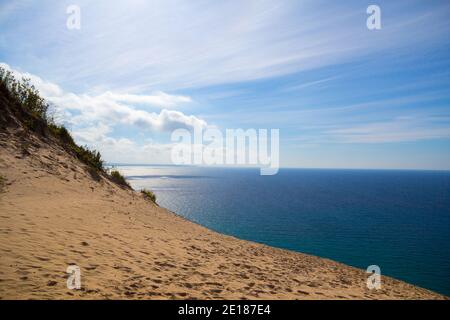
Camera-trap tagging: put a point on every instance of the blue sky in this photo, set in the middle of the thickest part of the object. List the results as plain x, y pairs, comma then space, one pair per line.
342, 96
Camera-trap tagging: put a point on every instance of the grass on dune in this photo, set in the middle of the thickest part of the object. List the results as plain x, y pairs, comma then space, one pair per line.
149, 195
118, 178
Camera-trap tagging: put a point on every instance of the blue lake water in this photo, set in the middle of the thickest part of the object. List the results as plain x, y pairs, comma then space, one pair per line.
398, 220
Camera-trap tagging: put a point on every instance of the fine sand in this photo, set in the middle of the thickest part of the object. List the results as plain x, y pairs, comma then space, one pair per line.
53, 214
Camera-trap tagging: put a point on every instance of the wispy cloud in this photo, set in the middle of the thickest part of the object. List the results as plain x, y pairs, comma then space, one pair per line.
171, 44
401, 129
159, 99
314, 83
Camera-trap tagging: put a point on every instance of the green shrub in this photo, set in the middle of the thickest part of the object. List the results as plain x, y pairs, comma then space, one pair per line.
149, 195
88, 156
118, 178
25, 94
61, 133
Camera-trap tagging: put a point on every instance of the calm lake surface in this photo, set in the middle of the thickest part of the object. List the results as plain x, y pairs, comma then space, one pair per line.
398, 220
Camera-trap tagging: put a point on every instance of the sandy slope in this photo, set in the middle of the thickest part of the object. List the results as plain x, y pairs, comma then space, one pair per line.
52, 214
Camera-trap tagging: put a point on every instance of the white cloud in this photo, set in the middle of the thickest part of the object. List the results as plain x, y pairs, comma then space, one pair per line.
123, 150
111, 108
92, 135
92, 119
47, 89
172, 44
157, 99
400, 129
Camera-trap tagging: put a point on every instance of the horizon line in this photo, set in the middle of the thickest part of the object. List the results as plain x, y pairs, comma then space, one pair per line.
280, 168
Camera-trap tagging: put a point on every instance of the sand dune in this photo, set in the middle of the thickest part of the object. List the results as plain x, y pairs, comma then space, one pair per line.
54, 214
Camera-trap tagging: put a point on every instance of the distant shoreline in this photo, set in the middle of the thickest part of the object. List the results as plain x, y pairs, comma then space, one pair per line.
281, 168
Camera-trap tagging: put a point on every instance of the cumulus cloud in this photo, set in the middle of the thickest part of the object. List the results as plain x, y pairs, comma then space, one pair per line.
93, 118
113, 108
123, 150
91, 135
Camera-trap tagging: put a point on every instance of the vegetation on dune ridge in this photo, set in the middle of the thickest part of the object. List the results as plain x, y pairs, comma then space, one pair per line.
25, 95
34, 113
118, 178
90, 157
149, 195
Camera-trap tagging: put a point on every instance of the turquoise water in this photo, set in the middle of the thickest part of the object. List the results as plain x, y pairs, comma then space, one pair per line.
398, 220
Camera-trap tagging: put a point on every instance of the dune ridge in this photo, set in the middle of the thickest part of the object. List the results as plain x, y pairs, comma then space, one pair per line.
55, 213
